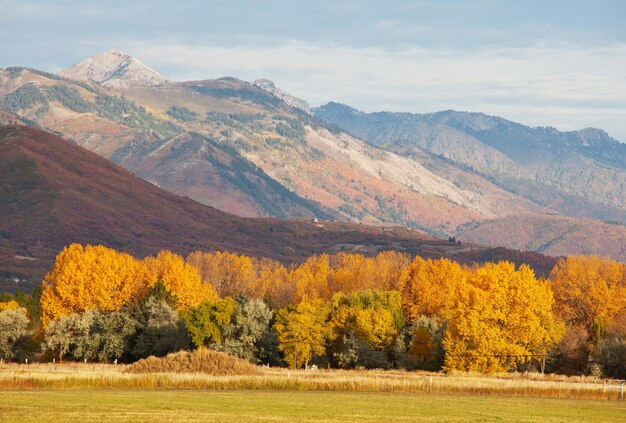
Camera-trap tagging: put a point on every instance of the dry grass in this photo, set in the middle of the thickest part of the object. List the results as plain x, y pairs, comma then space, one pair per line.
86, 376
202, 360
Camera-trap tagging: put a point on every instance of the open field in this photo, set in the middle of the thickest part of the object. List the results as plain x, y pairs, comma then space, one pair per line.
98, 376
91, 405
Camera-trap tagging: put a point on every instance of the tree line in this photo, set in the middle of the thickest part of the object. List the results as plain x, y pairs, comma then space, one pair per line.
341, 310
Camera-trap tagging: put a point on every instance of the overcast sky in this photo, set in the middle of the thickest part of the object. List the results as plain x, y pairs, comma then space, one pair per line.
545, 63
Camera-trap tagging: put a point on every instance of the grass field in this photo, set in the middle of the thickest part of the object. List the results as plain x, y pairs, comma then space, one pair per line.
95, 392
96, 405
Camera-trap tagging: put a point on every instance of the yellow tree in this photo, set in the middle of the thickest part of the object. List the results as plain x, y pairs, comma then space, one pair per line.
364, 326
310, 279
301, 332
92, 277
352, 272
501, 318
590, 292
389, 267
9, 305
229, 274
180, 279
276, 283
428, 286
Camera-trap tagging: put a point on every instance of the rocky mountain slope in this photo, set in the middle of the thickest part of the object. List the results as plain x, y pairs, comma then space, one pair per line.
581, 173
53, 193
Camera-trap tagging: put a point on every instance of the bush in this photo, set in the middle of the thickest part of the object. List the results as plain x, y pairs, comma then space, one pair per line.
202, 360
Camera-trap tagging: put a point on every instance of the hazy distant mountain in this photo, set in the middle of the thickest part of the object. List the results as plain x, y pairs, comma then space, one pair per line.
114, 68
580, 173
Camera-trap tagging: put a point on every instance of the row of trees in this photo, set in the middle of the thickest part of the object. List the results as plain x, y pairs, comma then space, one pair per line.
344, 310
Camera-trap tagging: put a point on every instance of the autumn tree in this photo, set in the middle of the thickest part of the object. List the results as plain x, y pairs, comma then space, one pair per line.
500, 319
180, 279
229, 274
363, 322
92, 277
311, 279
300, 332
428, 286
590, 292
278, 289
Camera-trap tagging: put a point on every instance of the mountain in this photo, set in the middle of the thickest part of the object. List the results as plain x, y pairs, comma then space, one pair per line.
114, 68
580, 173
53, 193
270, 87
212, 173
248, 149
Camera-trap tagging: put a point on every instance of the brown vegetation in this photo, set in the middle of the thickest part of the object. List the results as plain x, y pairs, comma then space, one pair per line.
202, 360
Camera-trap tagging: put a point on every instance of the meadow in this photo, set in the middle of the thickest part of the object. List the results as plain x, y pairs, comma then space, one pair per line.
97, 392
120, 405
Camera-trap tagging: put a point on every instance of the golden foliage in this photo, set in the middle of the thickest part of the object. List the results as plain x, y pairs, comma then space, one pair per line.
180, 279
428, 286
501, 318
301, 332
92, 277
9, 305
590, 292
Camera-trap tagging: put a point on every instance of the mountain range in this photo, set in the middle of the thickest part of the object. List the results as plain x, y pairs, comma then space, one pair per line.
54, 193
254, 150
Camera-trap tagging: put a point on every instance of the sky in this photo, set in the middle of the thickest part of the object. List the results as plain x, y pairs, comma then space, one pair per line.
540, 63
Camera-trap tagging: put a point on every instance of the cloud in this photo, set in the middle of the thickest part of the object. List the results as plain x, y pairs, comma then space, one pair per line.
561, 87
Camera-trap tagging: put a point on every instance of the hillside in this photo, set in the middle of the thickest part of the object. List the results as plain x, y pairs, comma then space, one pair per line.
552, 235
53, 193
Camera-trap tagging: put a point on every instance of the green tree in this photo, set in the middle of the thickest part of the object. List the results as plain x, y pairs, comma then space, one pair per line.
161, 330
13, 327
206, 322
108, 336
63, 335
249, 325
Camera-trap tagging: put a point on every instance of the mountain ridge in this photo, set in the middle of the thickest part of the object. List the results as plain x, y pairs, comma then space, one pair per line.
257, 155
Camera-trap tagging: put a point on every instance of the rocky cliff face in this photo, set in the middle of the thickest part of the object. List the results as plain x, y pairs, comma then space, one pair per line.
270, 87
116, 69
